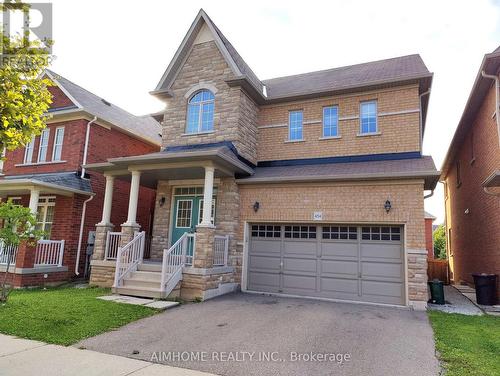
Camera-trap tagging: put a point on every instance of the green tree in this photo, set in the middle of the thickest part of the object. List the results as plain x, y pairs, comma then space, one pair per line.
24, 94
18, 225
439, 236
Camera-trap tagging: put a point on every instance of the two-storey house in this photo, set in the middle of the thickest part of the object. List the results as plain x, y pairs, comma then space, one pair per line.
47, 176
308, 185
471, 175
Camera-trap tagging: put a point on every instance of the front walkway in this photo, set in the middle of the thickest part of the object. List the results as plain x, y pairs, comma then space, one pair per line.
226, 331
25, 357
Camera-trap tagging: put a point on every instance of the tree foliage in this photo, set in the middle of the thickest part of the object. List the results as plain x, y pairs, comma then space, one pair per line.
24, 94
18, 225
439, 236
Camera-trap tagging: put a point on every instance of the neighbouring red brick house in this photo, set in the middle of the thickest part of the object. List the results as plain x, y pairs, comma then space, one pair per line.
471, 173
429, 241
47, 176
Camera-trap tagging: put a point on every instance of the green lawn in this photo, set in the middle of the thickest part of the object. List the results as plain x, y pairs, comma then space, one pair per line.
468, 345
65, 315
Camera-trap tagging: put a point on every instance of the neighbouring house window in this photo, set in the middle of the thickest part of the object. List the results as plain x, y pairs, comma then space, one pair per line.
459, 179
200, 113
28, 151
45, 215
330, 121
44, 145
295, 125
212, 216
368, 117
58, 144
15, 200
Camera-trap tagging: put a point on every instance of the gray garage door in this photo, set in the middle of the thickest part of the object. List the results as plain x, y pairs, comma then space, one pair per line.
361, 263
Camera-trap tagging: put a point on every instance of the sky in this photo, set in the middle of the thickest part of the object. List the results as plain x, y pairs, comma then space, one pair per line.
120, 49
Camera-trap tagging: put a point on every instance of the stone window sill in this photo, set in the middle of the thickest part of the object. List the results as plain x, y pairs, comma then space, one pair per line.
330, 138
38, 163
369, 134
197, 134
293, 141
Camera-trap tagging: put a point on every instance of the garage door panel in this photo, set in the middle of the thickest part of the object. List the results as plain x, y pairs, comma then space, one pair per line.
300, 264
341, 268
392, 291
382, 270
302, 248
266, 246
264, 262
301, 282
339, 249
262, 281
343, 285
380, 250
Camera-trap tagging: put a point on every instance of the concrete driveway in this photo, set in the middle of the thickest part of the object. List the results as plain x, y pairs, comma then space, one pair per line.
243, 334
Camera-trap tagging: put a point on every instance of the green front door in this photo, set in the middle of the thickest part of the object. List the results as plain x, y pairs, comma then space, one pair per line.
188, 211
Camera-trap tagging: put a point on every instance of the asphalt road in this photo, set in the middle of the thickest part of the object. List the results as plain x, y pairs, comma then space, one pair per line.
243, 334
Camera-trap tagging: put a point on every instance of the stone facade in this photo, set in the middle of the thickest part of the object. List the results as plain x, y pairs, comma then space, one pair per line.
235, 112
103, 273
161, 220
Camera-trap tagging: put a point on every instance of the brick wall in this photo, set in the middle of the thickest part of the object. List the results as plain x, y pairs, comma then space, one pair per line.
399, 132
474, 245
59, 99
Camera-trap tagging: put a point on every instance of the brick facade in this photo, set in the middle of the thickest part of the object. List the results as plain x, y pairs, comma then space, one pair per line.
472, 220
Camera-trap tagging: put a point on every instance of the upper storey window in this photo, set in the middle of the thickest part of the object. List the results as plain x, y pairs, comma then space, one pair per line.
295, 126
200, 113
330, 121
368, 117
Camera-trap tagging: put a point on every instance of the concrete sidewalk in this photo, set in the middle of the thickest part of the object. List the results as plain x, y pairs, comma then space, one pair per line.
25, 357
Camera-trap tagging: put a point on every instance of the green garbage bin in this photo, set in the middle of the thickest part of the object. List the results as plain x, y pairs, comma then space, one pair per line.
437, 292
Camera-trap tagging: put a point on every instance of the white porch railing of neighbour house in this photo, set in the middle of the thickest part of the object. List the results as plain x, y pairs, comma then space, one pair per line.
112, 243
49, 253
221, 249
129, 257
174, 260
5, 252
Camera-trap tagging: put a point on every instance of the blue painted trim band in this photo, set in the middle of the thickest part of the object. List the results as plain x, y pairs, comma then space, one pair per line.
343, 159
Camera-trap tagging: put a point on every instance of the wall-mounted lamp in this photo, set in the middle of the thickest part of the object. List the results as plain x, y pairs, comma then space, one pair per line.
161, 201
256, 206
387, 206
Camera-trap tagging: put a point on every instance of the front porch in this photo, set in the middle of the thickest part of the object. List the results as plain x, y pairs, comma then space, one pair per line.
193, 248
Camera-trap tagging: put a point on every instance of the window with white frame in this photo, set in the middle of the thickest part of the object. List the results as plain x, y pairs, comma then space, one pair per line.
330, 121
184, 213
58, 144
295, 126
200, 112
212, 216
45, 215
368, 117
28, 151
44, 145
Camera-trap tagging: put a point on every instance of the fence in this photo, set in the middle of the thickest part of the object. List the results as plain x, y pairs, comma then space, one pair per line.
438, 269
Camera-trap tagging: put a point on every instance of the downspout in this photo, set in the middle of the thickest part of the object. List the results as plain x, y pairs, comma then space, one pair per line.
86, 147
497, 96
421, 140
80, 237
429, 195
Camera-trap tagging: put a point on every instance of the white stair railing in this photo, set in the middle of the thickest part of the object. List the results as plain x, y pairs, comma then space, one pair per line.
174, 260
129, 257
221, 248
49, 253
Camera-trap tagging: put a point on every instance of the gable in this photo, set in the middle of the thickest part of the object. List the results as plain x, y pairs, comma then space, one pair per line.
59, 99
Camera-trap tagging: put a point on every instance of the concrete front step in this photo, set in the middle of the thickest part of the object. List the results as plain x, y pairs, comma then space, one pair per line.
149, 267
139, 291
146, 276
140, 283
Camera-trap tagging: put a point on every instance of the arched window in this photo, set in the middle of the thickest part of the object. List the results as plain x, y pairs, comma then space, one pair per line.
200, 112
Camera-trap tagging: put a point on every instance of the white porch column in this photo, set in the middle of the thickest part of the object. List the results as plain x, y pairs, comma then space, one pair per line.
108, 201
207, 197
34, 196
134, 198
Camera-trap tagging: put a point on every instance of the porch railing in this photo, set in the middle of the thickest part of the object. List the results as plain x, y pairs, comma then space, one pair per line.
112, 243
173, 261
129, 257
6, 252
190, 248
221, 249
49, 253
